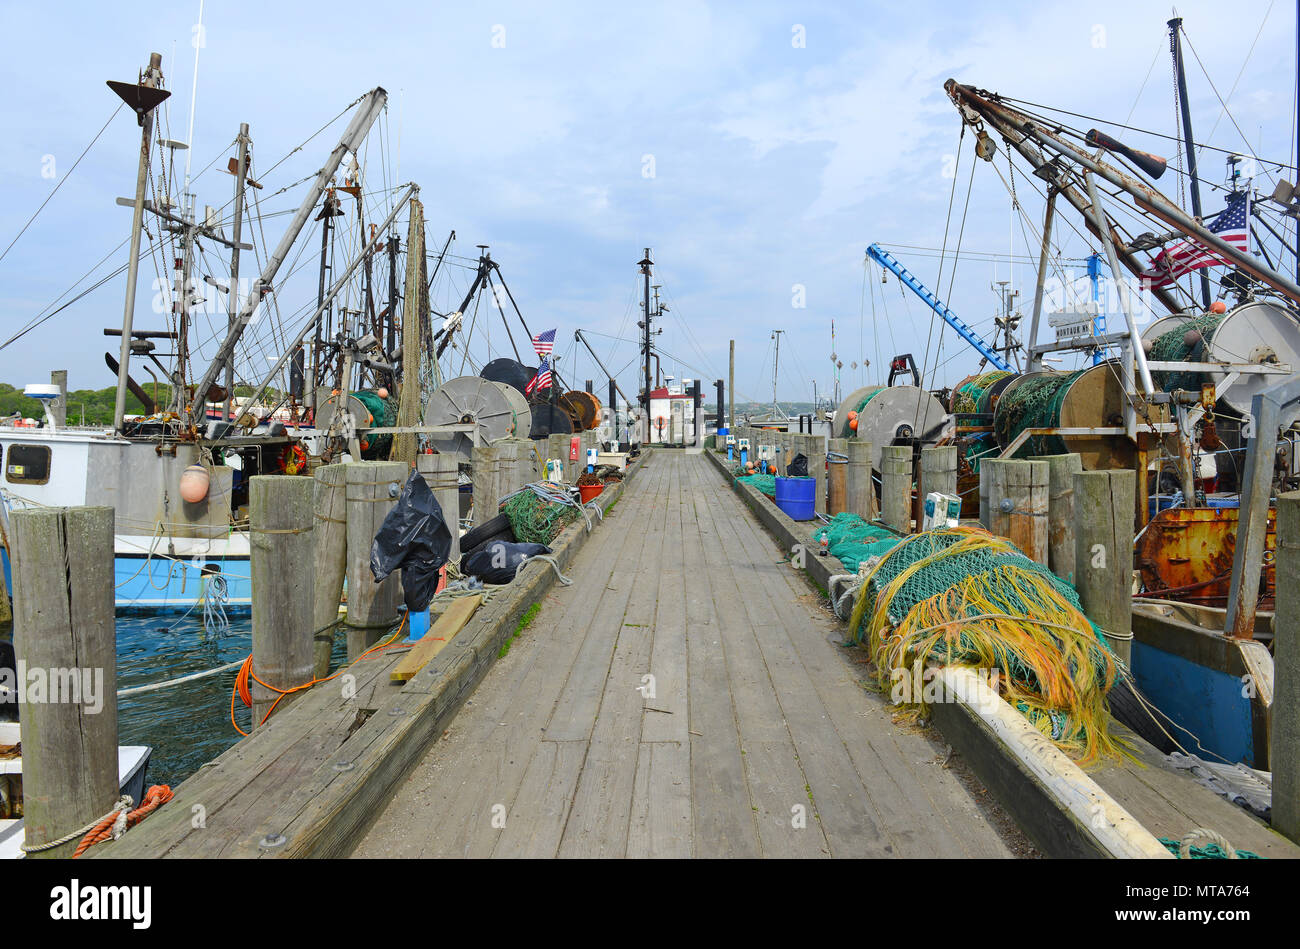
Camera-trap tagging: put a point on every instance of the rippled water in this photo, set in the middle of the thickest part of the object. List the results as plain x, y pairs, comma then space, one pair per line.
189, 724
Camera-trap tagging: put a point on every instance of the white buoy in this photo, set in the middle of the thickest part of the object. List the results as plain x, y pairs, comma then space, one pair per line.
194, 484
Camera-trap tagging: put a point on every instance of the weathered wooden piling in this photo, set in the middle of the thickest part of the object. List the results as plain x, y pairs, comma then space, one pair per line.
65, 642
442, 474
814, 446
1284, 737
1061, 470
836, 475
485, 471
938, 472
372, 490
1013, 499
281, 564
1103, 551
330, 558
861, 496
896, 487
507, 467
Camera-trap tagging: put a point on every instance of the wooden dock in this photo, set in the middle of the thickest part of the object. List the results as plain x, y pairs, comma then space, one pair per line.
685, 695
758, 740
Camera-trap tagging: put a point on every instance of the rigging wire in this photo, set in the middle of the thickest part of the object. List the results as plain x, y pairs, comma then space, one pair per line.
55, 189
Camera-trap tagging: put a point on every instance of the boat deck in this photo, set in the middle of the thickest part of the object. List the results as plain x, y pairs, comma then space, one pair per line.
757, 717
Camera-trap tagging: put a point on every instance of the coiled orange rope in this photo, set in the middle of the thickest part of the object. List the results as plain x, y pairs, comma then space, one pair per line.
154, 798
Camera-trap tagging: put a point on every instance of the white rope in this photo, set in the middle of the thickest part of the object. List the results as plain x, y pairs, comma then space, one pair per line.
1185, 846
564, 581
137, 689
121, 808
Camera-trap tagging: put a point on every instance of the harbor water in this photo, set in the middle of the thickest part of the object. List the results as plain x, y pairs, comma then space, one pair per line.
187, 725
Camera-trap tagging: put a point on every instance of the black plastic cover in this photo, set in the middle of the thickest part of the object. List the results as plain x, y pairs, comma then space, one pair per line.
497, 560
414, 538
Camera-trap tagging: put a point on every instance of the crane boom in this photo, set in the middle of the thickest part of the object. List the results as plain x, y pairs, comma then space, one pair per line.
890, 262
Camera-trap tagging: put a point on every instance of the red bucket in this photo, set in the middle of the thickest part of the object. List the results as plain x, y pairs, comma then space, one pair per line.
589, 491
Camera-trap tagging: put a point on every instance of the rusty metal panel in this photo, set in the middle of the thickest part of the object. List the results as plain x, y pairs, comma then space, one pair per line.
1186, 554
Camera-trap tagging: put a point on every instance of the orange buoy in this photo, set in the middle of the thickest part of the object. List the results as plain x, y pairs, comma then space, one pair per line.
1218, 306
382, 392
853, 423
194, 484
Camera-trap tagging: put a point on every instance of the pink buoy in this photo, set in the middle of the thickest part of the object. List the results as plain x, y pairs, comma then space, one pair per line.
382, 392
194, 484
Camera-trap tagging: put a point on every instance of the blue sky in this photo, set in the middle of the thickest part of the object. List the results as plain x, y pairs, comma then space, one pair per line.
774, 164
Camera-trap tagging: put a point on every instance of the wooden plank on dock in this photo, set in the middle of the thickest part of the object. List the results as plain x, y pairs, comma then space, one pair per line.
439, 635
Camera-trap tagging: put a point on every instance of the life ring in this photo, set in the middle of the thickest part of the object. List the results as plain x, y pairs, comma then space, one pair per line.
659, 423
293, 460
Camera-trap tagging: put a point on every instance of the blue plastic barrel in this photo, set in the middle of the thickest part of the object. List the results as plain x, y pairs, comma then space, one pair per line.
796, 497
1220, 502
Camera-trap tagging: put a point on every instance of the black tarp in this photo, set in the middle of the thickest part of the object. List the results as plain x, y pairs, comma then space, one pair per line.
414, 538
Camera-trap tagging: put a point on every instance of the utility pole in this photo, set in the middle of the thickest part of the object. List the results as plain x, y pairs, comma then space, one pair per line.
776, 358
645, 264
731, 389
143, 97
1189, 147
232, 292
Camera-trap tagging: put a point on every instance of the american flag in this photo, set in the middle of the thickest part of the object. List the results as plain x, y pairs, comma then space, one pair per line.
543, 378
1178, 259
544, 343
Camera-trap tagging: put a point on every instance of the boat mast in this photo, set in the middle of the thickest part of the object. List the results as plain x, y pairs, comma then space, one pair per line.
776, 358
365, 116
1176, 48
232, 293
144, 104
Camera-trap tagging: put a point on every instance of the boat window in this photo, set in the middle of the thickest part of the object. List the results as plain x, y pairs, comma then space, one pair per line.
28, 464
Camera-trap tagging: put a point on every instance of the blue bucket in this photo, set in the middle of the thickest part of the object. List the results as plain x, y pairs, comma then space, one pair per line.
419, 625
796, 497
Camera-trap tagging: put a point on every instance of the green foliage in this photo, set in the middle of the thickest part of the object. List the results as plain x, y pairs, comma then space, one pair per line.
96, 403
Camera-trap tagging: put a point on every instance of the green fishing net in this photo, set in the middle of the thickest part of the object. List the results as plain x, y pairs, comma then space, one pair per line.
852, 540
1172, 346
535, 521
967, 396
762, 482
1208, 852
1034, 403
384, 413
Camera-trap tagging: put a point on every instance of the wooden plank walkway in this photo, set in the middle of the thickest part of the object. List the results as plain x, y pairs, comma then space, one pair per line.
754, 716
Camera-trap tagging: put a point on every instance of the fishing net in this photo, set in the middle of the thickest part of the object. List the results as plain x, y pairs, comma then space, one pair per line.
963, 597
762, 482
1208, 852
1034, 403
535, 520
980, 446
1172, 346
967, 396
853, 541
845, 430
384, 413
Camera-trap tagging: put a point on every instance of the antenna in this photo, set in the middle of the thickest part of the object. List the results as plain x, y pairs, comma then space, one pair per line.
198, 40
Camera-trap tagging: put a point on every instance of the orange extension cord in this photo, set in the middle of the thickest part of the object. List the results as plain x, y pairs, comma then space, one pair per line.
246, 672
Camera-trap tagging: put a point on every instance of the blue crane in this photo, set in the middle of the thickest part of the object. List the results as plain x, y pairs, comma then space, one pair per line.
890, 262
